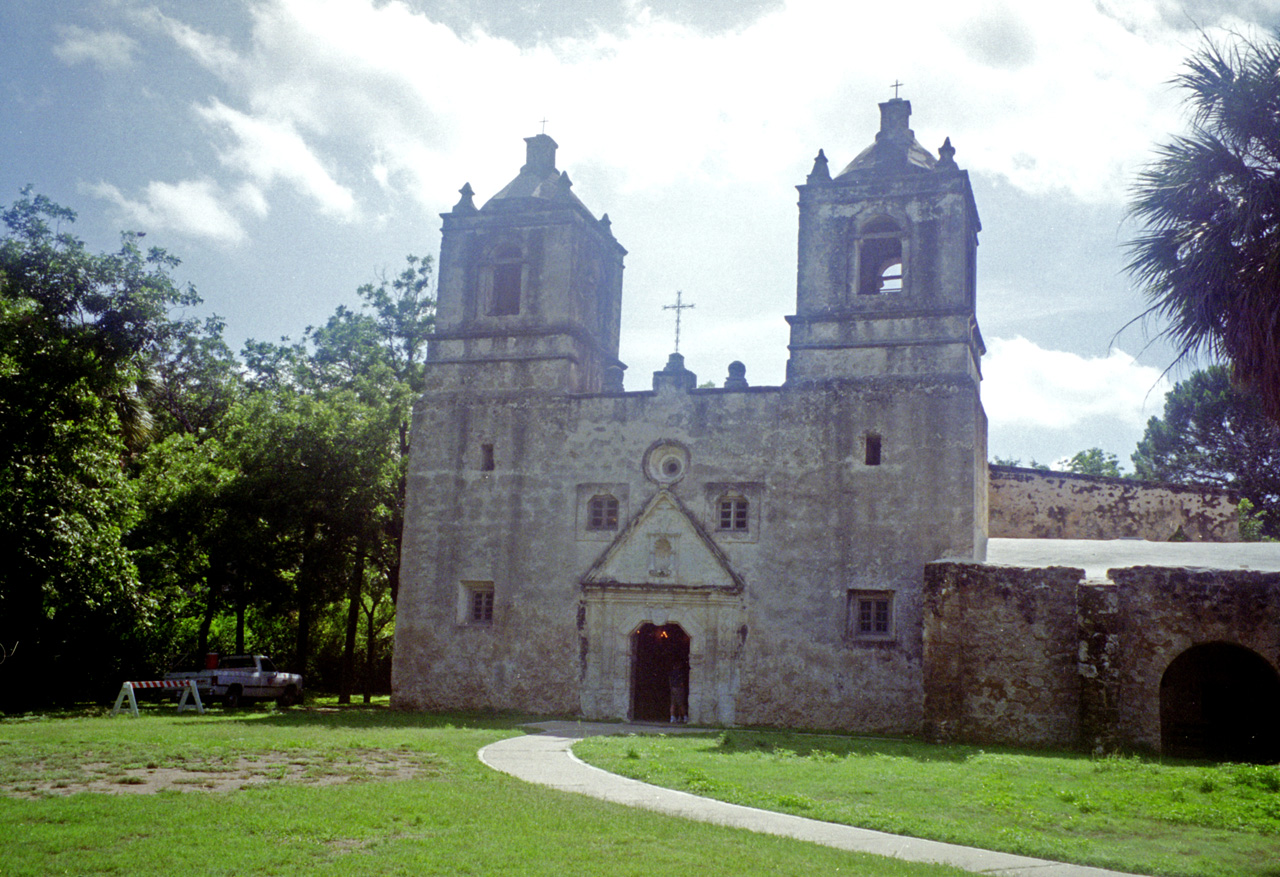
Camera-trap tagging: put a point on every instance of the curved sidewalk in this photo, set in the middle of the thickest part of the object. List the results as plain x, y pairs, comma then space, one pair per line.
546, 759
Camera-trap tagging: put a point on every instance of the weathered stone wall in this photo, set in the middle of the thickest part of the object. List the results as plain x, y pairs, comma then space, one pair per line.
1163, 612
1038, 657
1033, 504
1000, 654
826, 523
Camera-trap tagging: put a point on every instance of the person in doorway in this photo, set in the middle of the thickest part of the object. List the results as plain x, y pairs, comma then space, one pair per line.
678, 683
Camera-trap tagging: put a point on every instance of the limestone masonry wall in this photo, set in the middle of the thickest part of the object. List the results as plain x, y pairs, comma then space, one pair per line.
1039, 657
1000, 654
1034, 504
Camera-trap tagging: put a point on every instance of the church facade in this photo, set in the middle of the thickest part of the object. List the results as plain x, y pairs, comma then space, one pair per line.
575, 547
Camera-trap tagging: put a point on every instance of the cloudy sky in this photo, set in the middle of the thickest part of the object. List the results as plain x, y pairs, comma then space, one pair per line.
290, 150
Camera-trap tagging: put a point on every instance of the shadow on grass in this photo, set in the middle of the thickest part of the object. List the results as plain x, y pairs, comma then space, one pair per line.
363, 716
820, 745
323, 712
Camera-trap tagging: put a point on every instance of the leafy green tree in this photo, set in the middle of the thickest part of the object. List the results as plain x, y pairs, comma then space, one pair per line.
78, 334
379, 354
1213, 432
1095, 461
1209, 257
1017, 462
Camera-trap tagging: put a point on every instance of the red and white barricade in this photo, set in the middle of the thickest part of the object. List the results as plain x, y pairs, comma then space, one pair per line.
189, 693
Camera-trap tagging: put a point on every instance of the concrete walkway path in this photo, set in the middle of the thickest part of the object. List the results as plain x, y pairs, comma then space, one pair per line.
546, 759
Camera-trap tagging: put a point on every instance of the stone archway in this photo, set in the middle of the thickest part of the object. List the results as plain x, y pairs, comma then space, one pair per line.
655, 652
1221, 701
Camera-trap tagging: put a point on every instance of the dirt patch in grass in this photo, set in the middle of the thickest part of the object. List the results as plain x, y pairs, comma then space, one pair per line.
47, 778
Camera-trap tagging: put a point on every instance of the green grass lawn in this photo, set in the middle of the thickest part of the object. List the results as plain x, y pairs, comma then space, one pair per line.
1125, 813
336, 791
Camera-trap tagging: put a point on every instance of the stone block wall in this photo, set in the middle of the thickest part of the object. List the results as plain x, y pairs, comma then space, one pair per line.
1034, 504
1162, 612
1039, 657
1000, 647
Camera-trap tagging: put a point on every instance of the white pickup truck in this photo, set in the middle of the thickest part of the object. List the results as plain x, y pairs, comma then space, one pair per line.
241, 679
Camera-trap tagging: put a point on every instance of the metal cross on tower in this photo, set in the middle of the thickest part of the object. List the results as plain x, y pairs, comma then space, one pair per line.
678, 307
895, 86
544, 125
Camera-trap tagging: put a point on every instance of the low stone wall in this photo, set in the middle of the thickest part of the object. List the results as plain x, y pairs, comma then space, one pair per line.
1034, 504
1000, 654
1038, 657
1162, 612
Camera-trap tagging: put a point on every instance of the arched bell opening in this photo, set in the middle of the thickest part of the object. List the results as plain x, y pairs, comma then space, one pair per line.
1220, 701
659, 667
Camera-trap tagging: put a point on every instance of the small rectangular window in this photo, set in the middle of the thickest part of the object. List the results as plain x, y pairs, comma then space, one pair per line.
486, 458
873, 449
482, 606
602, 513
870, 615
475, 605
734, 513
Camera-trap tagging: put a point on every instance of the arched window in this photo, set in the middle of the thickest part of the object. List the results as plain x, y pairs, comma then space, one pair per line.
880, 257
602, 512
734, 513
508, 282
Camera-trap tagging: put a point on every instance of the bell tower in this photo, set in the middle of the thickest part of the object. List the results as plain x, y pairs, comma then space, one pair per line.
530, 293
887, 264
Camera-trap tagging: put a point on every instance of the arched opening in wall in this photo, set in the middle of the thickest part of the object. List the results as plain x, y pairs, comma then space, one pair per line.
1220, 701
508, 280
880, 257
659, 670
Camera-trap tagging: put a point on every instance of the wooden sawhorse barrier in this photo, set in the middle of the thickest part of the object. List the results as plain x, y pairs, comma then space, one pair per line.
190, 692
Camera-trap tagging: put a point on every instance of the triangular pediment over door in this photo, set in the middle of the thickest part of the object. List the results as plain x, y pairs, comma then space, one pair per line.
664, 547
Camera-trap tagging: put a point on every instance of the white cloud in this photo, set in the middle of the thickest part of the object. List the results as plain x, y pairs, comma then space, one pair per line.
271, 150
191, 207
1027, 386
1057, 96
211, 52
108, 49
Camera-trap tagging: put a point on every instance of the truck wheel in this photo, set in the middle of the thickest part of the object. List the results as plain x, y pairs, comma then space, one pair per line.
232, 699
289, 698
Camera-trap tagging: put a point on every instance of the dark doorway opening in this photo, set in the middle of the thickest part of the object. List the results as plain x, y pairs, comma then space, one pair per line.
1220, 701
656, 652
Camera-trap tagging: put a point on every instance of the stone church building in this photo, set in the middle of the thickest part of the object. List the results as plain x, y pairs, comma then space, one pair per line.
574, 547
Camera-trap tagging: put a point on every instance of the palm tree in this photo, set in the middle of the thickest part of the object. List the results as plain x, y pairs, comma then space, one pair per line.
1209, 255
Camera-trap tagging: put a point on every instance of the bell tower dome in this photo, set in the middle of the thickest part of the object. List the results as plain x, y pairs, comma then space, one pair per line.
530, 291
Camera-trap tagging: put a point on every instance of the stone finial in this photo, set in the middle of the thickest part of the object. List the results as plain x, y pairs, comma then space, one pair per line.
613, 379
606, 225
675, 376
465, 204
895, 136
947, 156
564, 180
540, 154
895, 115
737, 379
820, 173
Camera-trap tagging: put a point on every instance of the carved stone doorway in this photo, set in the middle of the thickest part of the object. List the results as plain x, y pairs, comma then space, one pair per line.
655, 652
1220, 701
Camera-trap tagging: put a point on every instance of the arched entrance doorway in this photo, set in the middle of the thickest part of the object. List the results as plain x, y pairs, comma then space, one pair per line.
655, 653
1220, 701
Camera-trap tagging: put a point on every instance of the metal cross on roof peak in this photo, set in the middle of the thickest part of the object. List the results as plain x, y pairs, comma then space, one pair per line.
895, 86
678, 307
544, 125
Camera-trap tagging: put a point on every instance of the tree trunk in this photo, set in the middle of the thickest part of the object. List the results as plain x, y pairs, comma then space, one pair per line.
368, 658
302, 647
347, 682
